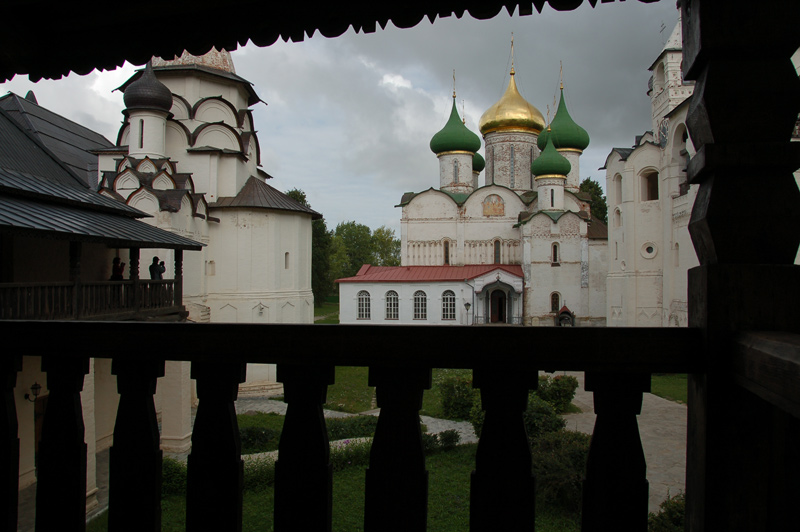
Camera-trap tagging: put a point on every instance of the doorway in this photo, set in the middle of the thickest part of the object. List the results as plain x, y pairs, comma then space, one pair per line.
498, 306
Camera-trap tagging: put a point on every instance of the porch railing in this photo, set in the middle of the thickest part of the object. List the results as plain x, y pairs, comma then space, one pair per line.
86, 300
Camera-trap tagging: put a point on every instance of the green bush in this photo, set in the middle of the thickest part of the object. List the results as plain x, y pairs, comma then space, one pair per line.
448, 439
457, 396
173, 477
258, 439
259, 472
670, 517
347, 453
559, 461
340, 428
559, 391
539, 417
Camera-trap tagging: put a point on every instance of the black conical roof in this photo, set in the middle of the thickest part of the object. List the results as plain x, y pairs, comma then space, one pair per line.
148, 93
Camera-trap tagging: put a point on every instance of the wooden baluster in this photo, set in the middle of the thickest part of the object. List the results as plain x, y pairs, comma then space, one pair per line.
214, 491
61, 487
397, 482
135, 468
502, 495
9, 444
303, 473
615, 490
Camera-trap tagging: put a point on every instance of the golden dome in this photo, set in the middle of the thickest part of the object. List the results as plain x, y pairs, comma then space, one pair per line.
512, 111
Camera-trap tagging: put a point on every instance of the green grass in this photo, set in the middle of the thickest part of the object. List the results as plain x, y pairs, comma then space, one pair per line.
672, 386
432, 399
448, 501
326, 308
350, 393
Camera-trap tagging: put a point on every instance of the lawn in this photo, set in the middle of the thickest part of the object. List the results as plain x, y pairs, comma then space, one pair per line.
672, 386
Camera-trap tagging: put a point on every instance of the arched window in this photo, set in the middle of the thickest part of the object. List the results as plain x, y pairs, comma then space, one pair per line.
455, 171
448, 305
363, 306
392, 305
617, 218
141, 133
497, 252
618, 189
555, 256
650, 186
555, 302
420, 305
286, 261
447, 252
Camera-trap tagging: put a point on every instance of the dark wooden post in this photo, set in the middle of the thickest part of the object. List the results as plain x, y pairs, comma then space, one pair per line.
9, 444
135, 468
615, 490
214, 491
75, 249
133, 268
178, 278
397, 482
61, 489
303, 474
502, 490
739, 476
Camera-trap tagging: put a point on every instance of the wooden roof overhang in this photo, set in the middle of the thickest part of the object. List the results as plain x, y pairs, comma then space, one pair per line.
66, 39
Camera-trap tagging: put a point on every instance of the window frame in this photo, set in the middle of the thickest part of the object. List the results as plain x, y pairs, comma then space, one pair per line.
392, 307
363, 306
448, 305
420, 305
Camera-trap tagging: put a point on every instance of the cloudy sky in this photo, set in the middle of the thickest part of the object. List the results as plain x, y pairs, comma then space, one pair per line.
348, 120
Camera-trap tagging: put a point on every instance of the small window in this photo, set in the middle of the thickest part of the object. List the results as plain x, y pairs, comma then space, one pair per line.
555, 302
552, 198
420, 305
448, 305
141, 133
617, 218
455, 171
555, 254
392, 305
286, 261
447, 253
363, 305
497, 252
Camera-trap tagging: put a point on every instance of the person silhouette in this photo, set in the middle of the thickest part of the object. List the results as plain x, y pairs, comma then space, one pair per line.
157, 270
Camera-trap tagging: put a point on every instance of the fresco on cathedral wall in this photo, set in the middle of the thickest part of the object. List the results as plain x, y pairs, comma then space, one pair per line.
493, 205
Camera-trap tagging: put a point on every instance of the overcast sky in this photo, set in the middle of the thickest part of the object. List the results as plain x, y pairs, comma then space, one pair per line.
348, 120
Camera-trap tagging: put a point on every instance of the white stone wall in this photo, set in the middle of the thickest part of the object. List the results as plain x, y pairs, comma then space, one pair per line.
509, 154
348, 302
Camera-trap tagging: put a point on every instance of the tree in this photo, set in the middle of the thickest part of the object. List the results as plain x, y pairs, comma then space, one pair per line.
357, 241
386, 246
598, 199
321, 275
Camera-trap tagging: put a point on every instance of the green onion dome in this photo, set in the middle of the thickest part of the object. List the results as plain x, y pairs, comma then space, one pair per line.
550, 163
565, 132
478, 163
147, 92
455, 136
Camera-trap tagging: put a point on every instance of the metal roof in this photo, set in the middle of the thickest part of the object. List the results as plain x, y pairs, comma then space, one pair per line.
72, 143
257, 194
421, 274
27, 216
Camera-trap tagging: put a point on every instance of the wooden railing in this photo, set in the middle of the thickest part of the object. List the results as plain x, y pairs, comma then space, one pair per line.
93, 300
763, 370
505, 362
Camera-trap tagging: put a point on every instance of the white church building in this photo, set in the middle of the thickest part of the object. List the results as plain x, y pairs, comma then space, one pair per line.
523, 248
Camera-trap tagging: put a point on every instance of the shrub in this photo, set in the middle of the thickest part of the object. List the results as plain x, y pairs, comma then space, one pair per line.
457, 396
258, 439
349, 453
670, 517
173, 477
539, 417
340, 428
559, 461
259, 472
448, 439
559, 391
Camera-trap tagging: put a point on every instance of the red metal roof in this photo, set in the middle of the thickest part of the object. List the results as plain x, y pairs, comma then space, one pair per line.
420, 274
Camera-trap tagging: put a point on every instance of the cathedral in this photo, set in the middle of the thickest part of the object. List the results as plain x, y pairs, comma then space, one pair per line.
521, 249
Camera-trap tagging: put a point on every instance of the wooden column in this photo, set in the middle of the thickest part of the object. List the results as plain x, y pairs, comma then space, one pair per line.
133, 267
615, 490
746, 281
214, 491
303, 473
61, 489
9, 444
75, 249
397, 482
178, 278
135, 468
502, 495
